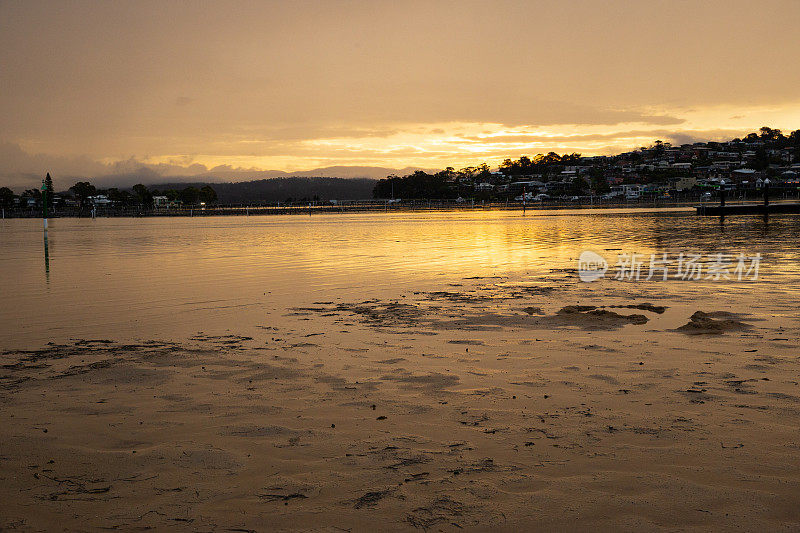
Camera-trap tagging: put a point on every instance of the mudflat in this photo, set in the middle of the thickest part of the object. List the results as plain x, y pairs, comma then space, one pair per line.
488, 404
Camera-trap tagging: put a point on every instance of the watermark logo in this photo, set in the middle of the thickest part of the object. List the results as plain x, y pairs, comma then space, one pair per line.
591, 266
683, 266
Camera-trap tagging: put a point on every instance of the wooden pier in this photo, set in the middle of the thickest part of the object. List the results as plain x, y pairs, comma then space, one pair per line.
747, 209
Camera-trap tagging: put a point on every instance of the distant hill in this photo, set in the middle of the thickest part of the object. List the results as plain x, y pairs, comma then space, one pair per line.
150, 177
224, 174
283, 189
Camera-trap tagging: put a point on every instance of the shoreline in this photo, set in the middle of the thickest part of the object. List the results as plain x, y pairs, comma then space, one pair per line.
418, 207
371, 207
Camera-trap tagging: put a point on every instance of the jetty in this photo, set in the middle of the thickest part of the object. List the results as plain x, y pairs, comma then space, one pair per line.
747, 209
764, 208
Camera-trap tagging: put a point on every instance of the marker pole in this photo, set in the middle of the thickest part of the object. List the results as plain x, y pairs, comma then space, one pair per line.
44, 203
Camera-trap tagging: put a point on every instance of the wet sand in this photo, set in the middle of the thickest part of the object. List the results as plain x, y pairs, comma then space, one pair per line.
487, 404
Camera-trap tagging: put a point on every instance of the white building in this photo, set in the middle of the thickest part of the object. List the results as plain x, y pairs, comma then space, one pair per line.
100, 199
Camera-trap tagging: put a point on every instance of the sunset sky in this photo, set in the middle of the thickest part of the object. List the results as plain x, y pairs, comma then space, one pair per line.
179, 88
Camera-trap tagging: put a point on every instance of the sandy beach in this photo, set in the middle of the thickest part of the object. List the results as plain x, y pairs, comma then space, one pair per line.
488, 404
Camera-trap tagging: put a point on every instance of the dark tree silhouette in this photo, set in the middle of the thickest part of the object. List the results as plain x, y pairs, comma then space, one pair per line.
36, 194
6, 197
143, 195
208, 194
190, 195
123, 198
48, 186
83, 190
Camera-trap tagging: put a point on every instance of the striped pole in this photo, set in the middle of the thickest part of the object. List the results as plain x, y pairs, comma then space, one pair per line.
44, 200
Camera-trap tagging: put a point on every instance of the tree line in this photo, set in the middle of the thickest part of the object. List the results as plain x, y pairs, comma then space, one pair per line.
82, 191
285, 190
443, 184
450, 183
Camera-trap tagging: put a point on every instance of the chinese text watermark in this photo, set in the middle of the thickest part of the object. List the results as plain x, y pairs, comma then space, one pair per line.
662, 266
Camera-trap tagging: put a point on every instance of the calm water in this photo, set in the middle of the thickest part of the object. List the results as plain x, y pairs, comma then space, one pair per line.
170, 277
